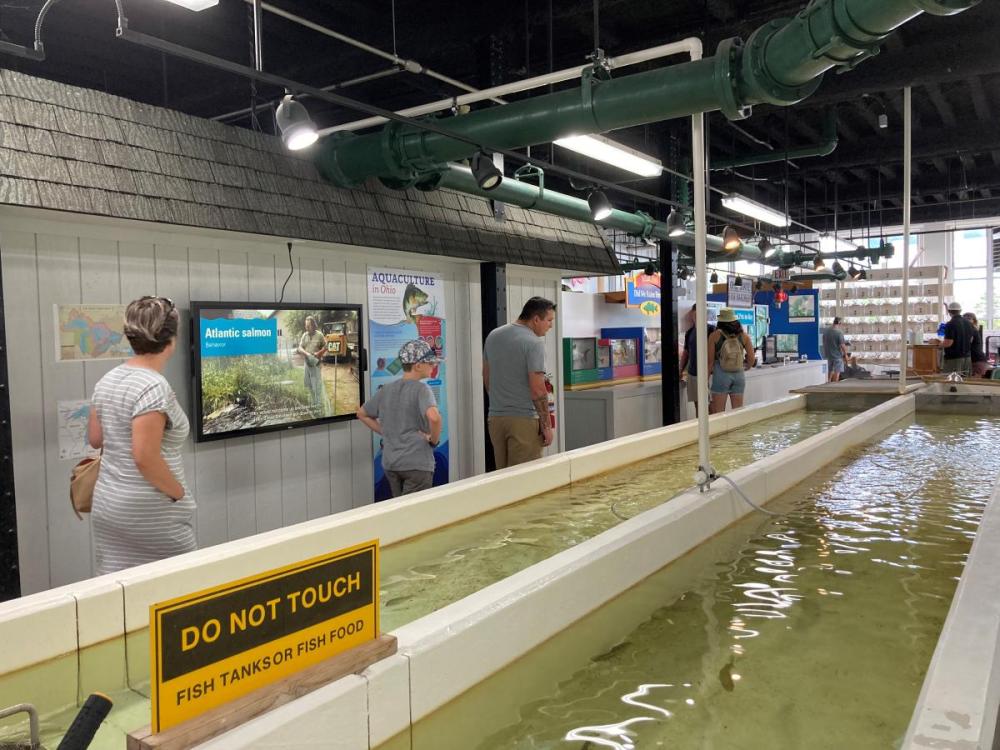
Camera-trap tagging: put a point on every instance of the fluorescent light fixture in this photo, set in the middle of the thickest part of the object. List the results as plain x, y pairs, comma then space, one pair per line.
195, 4
747, 207
830, 244
606, 150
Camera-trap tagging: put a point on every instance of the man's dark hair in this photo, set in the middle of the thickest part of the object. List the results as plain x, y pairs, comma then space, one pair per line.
407, 367
836, 321
536, 307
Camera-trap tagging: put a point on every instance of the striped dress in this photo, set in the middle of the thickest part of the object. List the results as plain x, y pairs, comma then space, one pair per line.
133, 522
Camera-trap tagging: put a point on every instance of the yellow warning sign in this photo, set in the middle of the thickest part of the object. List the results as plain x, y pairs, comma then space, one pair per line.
218, 644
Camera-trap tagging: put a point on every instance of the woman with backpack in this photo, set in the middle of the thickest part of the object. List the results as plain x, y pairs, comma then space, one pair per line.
730, 352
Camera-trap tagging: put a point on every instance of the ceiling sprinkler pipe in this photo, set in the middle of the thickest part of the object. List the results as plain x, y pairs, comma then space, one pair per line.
528, 84
826, 147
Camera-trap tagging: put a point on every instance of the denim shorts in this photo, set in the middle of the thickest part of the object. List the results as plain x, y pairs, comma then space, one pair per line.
835, 365
728, 382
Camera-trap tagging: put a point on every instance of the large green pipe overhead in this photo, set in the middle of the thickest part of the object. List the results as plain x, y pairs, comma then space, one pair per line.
781, 63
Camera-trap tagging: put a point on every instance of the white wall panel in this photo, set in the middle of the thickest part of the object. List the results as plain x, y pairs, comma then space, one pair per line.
242, 485
23, 324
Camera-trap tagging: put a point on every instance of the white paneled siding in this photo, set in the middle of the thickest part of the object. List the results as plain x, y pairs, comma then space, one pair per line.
243, 485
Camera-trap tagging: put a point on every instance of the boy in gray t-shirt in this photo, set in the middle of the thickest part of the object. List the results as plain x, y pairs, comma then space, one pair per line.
405, 414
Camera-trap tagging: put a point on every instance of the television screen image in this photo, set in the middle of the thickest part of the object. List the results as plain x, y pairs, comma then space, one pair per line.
258, 368
788, 343
770, 349
603, 356
584, 356
623, 352
651, 345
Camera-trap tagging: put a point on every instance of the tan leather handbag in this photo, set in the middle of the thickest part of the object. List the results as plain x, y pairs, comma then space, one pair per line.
81, 485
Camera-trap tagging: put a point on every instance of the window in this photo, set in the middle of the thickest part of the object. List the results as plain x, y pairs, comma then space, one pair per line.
971, 249
971, 258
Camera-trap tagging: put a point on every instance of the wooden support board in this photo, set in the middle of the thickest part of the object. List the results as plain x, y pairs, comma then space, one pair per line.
241, 710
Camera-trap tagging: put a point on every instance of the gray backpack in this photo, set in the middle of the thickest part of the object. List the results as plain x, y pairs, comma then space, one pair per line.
730, 353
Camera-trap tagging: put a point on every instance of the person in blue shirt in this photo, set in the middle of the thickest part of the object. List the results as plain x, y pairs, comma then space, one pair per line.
689, 358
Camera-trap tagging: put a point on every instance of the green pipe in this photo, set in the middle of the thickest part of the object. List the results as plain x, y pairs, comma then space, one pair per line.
782, 63
528, 196
826, 147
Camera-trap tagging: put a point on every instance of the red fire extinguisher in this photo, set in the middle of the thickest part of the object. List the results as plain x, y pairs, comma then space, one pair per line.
551, 391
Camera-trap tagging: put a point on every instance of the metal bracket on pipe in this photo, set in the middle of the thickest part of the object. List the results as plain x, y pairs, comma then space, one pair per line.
589, 80
527, 171
648, 224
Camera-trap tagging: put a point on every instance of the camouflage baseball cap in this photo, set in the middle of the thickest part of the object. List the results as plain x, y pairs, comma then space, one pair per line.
417, 351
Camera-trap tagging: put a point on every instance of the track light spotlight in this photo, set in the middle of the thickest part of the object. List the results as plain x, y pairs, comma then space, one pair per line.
765, 246
485, 171
682, 273
297, 129
819, 264
675, 224
600, 206
731, 239
837, 268
853, 272
864, 275
650, 269
738, 281
714, 278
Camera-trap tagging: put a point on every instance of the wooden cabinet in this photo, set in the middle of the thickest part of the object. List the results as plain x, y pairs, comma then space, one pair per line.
924, 359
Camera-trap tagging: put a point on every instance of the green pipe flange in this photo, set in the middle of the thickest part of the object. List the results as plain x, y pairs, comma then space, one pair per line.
944, 7
760, 84
866, 40
648, 224
393, 161
727, 62
329, 165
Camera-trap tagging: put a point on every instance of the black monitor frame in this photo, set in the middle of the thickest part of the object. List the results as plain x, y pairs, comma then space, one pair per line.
770, 342
195, 350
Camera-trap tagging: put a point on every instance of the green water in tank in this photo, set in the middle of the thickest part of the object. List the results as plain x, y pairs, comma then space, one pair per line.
423, 574
812, 629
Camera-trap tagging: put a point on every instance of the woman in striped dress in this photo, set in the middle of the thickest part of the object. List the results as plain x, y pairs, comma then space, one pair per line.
142, 510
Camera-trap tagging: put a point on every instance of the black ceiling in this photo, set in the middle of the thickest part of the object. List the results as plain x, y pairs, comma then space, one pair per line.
953, 64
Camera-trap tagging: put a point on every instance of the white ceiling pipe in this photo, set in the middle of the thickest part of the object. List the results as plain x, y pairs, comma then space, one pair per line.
546, 79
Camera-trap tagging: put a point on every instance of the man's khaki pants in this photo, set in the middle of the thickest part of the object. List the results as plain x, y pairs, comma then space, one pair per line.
516, 440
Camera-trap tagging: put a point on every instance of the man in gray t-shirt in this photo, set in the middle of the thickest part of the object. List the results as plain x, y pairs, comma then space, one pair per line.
405, 414
514, 376
835, 351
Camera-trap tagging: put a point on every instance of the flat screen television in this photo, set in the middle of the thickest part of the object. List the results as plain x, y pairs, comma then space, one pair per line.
788, 343
770, 348
584, 354
258, 368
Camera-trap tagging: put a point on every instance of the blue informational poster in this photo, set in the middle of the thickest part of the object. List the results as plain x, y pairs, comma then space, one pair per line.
405, 305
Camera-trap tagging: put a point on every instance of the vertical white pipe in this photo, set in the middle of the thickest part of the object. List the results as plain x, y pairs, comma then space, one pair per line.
258, 37
907, 199
701, 284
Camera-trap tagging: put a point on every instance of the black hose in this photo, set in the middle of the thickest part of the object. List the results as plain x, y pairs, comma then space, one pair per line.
87, 722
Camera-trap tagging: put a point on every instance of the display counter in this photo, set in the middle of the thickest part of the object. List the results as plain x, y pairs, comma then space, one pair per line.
598, 414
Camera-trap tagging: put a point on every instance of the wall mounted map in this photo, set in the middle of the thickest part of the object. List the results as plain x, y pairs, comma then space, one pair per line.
90, 332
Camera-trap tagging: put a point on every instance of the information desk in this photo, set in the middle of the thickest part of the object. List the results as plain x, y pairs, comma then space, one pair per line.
599, 414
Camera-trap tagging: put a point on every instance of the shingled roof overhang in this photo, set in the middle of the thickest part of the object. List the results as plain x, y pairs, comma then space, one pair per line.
72, 149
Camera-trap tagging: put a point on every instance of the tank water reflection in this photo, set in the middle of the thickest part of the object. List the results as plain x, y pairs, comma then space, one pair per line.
426, 573
813, 629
